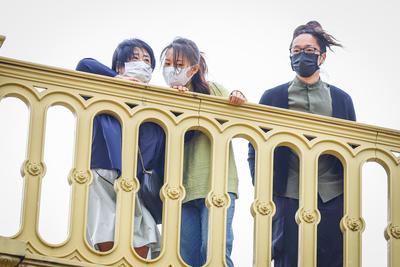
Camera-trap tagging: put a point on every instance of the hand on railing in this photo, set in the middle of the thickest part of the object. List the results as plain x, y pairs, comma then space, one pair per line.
181, 88
237, 98
129, 78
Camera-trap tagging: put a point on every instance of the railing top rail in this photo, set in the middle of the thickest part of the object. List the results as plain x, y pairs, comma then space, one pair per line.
258, 115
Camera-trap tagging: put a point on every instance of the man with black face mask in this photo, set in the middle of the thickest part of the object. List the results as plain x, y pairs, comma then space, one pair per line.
307, 93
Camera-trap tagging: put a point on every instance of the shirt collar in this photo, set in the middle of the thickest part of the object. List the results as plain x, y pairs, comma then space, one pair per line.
301, 85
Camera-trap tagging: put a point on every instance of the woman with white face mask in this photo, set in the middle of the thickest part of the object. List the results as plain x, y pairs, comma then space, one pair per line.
184, 68
133, 60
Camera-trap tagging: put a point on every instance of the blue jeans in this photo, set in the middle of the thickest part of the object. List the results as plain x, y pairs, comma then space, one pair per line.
194, 232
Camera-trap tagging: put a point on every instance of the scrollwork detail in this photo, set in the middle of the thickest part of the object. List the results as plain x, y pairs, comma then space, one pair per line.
394, 231
219, 201
264, 208
33, 168
309, 216
173, 192
81, 177
354, 224
127, 184
8, 261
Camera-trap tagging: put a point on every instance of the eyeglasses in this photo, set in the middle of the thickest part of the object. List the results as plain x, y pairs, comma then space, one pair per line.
307, 50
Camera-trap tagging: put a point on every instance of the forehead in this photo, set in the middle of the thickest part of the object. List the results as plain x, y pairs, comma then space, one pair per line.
169, 54
140, 51
304, 40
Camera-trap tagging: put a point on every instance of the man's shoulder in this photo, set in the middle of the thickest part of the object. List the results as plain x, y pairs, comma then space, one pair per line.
276, 96
338, 92
280, 89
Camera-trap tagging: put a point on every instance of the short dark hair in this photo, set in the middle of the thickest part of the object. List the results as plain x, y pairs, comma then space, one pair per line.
124, 52
314, 28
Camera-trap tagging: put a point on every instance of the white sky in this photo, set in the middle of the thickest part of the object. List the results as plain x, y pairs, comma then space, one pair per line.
246, 45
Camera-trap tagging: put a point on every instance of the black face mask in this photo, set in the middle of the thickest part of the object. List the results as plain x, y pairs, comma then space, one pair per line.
304, 64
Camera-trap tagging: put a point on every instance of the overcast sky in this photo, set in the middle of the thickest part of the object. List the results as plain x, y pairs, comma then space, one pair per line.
246, 45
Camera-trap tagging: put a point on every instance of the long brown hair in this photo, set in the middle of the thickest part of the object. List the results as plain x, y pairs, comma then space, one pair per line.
189, 50
314, 28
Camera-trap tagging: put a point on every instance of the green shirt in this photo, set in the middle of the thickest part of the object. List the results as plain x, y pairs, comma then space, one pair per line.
197, 161
316, 99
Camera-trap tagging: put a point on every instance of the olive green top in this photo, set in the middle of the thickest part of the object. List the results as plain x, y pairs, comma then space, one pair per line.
197, 161
316, 99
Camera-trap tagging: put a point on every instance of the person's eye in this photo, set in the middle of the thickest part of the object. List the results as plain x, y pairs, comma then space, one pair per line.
309, 50
296, 50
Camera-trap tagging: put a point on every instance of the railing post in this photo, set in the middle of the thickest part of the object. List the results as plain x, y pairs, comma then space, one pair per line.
33, 170
218, 202
80, 178
392, 232
172, 193
263, 207
126, 189
352, 223
308, 216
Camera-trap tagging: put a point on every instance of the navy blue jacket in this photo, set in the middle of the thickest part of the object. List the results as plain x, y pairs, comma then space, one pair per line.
342, 108
107, 137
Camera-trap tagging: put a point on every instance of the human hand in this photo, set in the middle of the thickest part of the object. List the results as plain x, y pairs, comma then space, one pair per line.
237, 98
129, 78
181, 88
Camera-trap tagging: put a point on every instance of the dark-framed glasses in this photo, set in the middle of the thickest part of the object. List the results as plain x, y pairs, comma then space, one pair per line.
307, 50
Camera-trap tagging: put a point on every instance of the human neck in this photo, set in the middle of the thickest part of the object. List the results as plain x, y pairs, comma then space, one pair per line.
311, 79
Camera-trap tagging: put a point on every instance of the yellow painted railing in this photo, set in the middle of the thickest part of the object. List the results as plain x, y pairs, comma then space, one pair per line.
265, 127
2, 39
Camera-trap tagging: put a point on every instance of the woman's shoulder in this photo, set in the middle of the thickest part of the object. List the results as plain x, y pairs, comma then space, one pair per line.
217, 89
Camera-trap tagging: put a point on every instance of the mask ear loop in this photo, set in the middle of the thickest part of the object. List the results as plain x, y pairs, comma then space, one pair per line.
321, 59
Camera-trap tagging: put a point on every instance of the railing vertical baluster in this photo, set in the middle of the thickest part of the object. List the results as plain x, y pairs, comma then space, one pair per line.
263, 208
308, 215
173, 193
218, 202
80, 177
393, 229
352, 222
128, 183
33, 170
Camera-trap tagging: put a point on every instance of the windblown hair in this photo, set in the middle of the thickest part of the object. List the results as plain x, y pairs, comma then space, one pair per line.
314, 28
189, 50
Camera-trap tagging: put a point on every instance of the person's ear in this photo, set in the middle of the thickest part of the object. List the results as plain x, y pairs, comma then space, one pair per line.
194, 69
322, 58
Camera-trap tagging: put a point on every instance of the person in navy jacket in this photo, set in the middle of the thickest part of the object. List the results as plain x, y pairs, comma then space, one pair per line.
133, 60
307, 93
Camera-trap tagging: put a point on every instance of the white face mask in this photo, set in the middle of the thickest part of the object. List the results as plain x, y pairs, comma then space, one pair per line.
176, 76
139, 70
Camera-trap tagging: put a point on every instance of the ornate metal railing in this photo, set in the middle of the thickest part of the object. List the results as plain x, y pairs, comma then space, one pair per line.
265, 127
